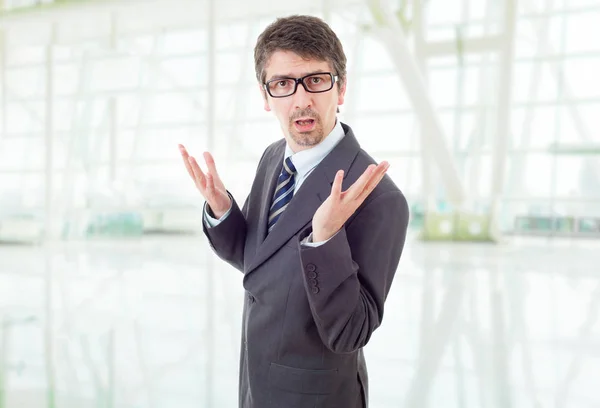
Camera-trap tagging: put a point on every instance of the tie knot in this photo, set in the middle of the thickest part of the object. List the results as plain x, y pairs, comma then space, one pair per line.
288, 166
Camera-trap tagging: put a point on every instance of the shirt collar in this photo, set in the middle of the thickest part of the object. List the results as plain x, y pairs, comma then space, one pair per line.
306, 160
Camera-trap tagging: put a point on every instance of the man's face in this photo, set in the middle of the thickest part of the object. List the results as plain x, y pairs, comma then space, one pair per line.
305, 118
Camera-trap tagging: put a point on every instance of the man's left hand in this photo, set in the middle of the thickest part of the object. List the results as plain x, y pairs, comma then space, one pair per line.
339, 206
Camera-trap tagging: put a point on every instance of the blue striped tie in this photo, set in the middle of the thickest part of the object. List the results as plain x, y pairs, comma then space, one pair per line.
283, 192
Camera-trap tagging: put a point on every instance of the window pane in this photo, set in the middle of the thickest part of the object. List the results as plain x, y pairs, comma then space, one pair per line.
534, 127
387, 133
581, 75
582, 32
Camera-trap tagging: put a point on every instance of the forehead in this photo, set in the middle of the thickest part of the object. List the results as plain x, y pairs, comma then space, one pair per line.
289, 63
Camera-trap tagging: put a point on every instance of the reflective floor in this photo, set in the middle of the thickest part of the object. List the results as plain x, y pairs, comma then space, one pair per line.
154, 323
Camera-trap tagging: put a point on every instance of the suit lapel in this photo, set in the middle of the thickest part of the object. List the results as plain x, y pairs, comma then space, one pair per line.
270, 181
257, 212
311, 194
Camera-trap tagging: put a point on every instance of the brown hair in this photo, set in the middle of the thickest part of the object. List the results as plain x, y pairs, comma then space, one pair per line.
307, 36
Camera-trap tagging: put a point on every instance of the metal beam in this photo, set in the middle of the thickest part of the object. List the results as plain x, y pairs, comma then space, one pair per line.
504, 106
516, 170
49, 224
145, 94
467, 46
460, 95
49, 138
354, 66
3, 83
391, 34
239, 103
112, 111
426, 156
476, 148
211, 364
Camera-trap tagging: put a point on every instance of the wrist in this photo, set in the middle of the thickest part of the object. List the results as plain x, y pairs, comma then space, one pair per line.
320, 236
217, 212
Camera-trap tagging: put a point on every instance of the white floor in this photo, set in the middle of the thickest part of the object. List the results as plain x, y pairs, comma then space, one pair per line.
155, 324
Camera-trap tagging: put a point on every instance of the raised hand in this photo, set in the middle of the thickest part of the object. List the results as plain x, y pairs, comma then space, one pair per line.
210, 185
339, 206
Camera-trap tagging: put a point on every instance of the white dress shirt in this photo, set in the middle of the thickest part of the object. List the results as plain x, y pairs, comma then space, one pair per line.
305, 162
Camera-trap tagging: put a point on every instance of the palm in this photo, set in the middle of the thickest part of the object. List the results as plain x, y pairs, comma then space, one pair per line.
210, 185
339, 206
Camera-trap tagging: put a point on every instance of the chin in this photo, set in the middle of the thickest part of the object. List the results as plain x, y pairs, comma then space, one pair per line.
307, 139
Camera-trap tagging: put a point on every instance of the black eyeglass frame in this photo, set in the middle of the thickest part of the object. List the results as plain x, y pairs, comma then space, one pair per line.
334, 79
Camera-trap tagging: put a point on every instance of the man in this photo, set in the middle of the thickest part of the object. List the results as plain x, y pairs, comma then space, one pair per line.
319, 237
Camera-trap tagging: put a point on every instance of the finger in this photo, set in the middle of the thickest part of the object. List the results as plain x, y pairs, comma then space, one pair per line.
378, 175
359, 185
199, 177
212, 168
336, 188
210, 184
186, 161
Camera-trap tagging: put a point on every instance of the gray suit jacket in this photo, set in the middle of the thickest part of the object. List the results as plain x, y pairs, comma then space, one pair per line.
309, 311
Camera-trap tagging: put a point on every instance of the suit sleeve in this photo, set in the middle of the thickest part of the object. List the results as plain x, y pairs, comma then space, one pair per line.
348, 278
228, 238
210, 221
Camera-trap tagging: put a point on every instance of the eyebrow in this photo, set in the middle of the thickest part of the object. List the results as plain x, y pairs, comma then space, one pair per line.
290, 76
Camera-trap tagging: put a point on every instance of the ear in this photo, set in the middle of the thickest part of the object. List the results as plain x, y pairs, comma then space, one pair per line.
342, 92
265, 98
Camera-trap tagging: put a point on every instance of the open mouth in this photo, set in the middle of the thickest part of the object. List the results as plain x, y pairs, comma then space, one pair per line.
305, 122
304, 125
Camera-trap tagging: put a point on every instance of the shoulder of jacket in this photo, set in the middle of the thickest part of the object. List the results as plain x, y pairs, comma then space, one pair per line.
386, 188
273, 148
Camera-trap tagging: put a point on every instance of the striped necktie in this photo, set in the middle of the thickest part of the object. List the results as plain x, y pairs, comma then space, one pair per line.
283, 192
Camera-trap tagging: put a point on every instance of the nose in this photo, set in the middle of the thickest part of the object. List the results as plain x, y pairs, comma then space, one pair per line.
302, 99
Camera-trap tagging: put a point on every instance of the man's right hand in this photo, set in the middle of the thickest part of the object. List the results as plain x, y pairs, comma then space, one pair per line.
210, 185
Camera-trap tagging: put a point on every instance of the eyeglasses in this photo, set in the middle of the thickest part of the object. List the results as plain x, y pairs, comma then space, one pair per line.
313, 83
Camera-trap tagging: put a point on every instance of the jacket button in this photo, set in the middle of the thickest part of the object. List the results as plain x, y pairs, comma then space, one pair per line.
251, 298
311, 268
315, 290
312, 275
313, 282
